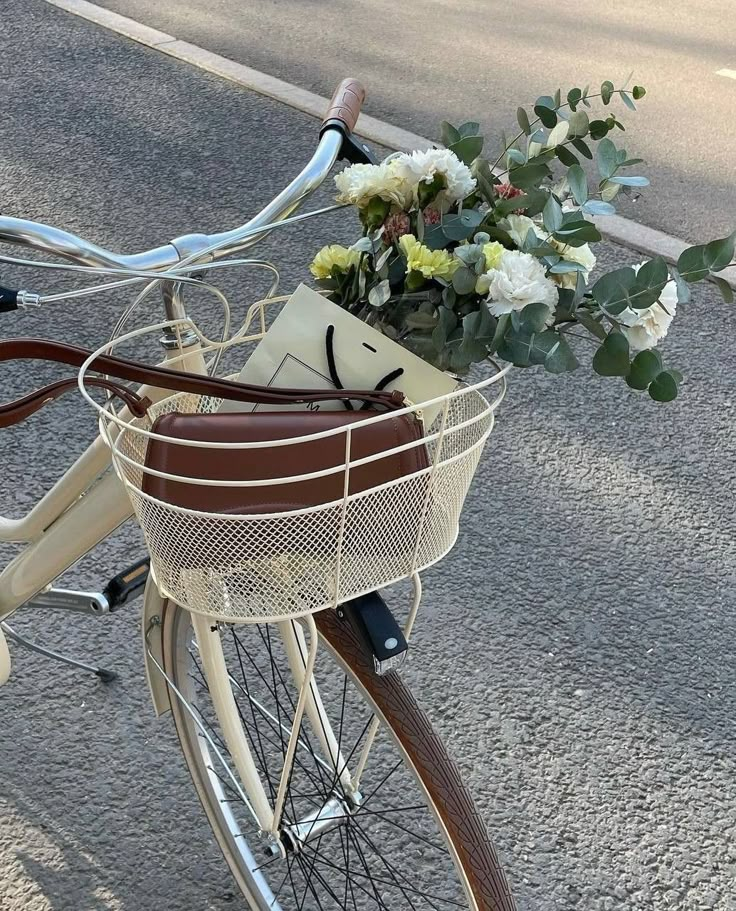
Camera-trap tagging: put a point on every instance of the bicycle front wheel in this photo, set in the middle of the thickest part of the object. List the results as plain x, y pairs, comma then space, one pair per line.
411, 839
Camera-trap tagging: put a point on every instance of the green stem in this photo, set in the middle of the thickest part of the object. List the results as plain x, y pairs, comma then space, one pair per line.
533, 123
585, 338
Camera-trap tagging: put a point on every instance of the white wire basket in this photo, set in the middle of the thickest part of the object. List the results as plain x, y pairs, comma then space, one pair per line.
281, 565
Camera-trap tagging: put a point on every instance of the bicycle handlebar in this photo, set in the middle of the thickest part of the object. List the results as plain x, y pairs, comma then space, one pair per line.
338, 123
345, 106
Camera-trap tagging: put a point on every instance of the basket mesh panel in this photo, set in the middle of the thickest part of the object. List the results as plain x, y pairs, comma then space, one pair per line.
273, 567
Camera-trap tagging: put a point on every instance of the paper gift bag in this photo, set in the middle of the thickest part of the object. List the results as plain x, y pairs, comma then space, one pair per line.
294, 353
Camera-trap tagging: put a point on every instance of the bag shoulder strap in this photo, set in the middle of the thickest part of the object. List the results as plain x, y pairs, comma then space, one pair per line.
163, 377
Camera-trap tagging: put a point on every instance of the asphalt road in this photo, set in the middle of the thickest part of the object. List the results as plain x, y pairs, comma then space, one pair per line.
576, 649
424, 61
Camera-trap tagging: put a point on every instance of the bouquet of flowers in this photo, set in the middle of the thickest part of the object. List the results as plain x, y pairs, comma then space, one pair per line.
463, 258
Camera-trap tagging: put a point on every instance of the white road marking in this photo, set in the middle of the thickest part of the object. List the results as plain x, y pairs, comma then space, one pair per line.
617, 229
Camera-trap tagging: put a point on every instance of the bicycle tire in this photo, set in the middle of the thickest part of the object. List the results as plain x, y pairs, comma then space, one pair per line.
412, 732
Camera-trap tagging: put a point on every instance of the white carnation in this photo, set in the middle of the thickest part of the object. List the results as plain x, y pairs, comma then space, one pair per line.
518, 280
422, 166
517, 227
360, 183
582, 255
644, 328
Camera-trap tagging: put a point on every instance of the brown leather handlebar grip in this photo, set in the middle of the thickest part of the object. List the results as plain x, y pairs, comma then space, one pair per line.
345, 104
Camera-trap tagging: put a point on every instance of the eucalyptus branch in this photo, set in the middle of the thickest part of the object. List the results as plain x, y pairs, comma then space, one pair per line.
585, 338
534, 122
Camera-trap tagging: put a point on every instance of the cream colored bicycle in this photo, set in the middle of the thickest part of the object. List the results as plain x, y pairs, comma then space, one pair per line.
323, 781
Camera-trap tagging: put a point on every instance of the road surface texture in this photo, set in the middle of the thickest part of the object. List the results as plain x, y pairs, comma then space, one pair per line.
576, 649
430, 60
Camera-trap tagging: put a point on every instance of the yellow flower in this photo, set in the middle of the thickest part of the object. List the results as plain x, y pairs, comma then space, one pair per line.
493, 253
430, 263
333, 256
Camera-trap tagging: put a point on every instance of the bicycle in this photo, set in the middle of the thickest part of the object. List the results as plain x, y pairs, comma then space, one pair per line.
306, 816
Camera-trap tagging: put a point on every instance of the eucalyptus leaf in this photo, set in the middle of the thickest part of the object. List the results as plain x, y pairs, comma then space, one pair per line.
461, 226
501, 326
560, 358
545, 101
664, 386
449, 297
552, 214
364, 245
697, 262
638, 92
479, 326
468, 148
583, 148
564, 265
591, 324
427, 191
630, 181
449, 134
683, 290
533, 318
463, 281
522, 119
469, 253
383, 258
606, 91
566, 156
434, 237
649, 283
609, 191
528, 176
578, 184
578, 233
598, 207
644, 368
516, 156
421, 320
447, 321
379, 294
612, 290
486, 180
579, 124
598, 129
469, 128
573, 97
606, 158
558, 134
518, 348
724, 287
612, 358
626, 98
546, 115
566, 304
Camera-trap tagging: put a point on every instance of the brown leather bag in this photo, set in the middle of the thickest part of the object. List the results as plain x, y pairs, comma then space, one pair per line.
275, 462
260, 463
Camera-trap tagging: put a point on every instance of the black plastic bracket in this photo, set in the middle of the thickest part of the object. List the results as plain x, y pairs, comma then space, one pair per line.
375, 625
356, 152
352, 149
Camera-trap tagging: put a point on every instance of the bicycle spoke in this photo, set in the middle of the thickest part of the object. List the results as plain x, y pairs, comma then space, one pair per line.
352, 864
385, 882
358, 829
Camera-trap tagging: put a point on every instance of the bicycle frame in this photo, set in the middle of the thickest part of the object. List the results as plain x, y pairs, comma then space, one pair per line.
82, 509
89, 502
